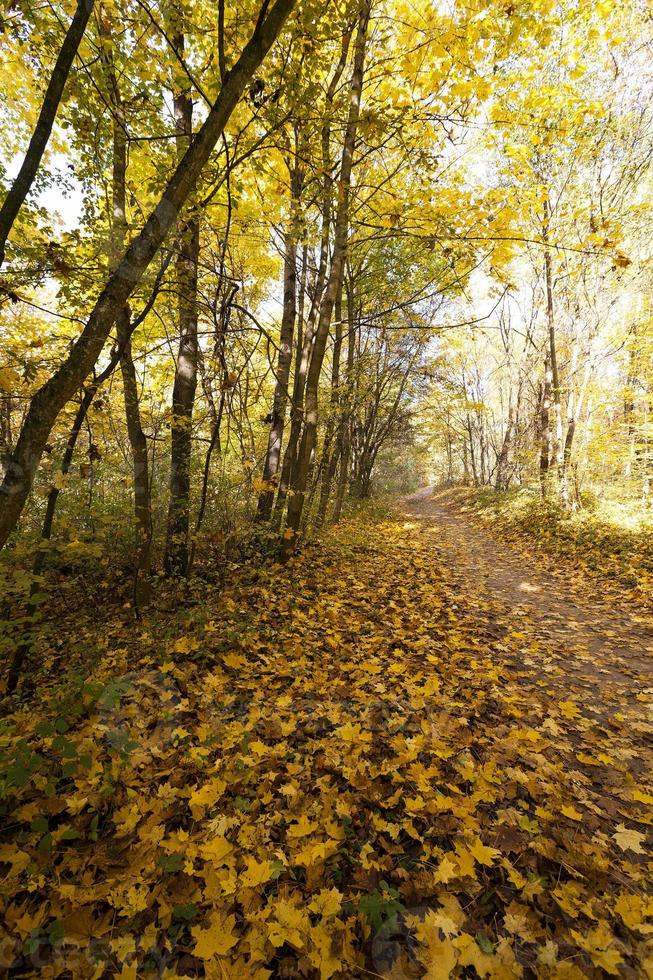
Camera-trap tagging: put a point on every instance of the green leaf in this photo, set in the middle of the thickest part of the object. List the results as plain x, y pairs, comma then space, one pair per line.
70, 834
185, 912
484, 943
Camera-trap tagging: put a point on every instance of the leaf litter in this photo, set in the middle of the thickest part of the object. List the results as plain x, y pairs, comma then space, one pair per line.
345, 766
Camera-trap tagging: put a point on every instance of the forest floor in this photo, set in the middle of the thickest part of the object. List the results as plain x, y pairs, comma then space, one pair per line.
412, 751
598, 636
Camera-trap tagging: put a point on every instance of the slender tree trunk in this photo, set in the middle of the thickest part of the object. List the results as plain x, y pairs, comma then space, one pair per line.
482, 448
556, 449
545, 426
330, 453
472, 451
118, 233
629, 407
309, 432
185, 383
503, 463
22, 650
50, 399
296, 416
346, 410
5, 431
305, 342
284, 359
466, 474
138, 446
51, 101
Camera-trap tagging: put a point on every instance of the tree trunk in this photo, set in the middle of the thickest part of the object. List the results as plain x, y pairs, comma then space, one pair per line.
556, 448
330, 453
50, 399
466, 474
88, 395
51, 101
305, 343
138, 446
545, 426
309, 432
503, 463
472, 451
185, 383
284, 360
5, 431
118, 236
346, 409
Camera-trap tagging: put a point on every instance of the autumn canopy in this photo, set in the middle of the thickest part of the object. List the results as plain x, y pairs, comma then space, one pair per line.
326, 447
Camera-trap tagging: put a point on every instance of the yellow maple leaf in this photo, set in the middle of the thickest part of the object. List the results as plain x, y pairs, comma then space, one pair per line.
569, 709
470, 954
127, 972
322, 956
256, 872
302, 827
439, 957
633, 909
288, 925
629, 840
446, 870
216, 850
599, 943
571, 813
483, 854
326, 903
465, 861
217, 939
185, 645
205, 796
258, 747
353, 733
313, 853
640, 797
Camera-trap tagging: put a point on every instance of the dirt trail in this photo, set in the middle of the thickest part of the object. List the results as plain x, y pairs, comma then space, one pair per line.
593, 643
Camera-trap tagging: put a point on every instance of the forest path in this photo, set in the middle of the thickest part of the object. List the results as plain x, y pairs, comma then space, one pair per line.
601, 645
390, 756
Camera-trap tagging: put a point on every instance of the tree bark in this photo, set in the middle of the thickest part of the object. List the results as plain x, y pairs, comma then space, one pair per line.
556, 448
5, 431
50, 399
305, 342
346, 409
309, 432
284, 359
118, 236
185, 383
503, 462
545, 426
330, 453
20, 188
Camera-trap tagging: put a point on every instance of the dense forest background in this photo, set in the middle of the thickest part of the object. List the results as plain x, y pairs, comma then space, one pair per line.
266, 270
418, 250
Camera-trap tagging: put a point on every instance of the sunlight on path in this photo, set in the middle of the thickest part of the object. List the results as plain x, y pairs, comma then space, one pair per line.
595, 642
